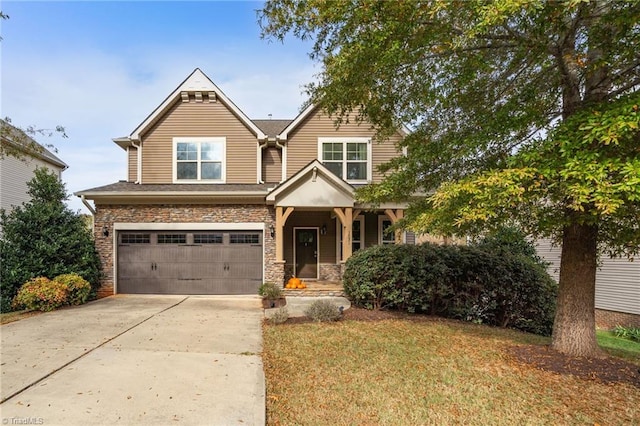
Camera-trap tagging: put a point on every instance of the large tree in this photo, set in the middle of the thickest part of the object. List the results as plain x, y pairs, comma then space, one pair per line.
522, 111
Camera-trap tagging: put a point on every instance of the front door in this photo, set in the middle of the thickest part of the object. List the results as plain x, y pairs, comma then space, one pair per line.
306, 243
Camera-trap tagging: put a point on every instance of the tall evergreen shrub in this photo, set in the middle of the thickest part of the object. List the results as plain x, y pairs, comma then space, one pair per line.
43, 237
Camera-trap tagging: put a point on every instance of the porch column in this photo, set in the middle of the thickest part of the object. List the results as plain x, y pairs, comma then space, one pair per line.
395, 215
346, 218
281, 219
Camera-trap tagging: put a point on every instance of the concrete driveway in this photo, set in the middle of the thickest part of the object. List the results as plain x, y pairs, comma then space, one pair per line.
130, 360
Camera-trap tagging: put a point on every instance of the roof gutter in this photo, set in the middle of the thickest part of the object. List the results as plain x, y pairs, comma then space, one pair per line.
87, 205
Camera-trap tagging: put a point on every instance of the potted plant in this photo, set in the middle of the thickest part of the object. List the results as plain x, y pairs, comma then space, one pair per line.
271, 295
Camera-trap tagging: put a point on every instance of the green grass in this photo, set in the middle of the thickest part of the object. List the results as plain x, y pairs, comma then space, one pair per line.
404, 372
618, 346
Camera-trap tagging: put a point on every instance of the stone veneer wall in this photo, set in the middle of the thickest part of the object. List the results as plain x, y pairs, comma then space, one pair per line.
107, 215
609, 319
330, 272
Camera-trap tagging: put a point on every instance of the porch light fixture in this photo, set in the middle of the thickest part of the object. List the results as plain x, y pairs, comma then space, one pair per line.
272, 231
105, 231
323, 230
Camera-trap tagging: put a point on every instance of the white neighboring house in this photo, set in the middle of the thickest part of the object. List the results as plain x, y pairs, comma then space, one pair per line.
617, 286
16, 172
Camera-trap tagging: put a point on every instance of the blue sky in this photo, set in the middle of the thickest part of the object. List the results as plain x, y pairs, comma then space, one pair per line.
99, 68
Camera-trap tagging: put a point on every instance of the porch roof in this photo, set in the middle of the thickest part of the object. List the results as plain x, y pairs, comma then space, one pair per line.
313, 186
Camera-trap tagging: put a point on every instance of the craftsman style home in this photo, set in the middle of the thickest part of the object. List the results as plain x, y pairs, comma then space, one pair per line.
217, 203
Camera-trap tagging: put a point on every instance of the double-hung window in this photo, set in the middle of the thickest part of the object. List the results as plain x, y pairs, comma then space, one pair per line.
347, 158
198, 160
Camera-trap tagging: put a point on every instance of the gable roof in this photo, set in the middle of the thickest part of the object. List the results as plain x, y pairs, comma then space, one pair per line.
316, 186
199, 82
22, 141
284, 133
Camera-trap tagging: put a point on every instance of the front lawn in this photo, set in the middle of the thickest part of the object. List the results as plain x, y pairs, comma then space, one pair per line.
404, 371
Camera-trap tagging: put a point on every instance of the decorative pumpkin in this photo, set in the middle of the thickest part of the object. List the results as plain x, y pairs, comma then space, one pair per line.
293, 282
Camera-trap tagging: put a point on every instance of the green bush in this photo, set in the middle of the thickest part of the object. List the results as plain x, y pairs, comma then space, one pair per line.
79, 288
629, 333
41, 294
44, 238
270, 290
280, 316
323, 311
493, 282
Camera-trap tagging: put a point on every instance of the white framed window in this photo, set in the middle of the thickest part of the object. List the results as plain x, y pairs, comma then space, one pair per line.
347, 158
385, 235
357, 236
199, 160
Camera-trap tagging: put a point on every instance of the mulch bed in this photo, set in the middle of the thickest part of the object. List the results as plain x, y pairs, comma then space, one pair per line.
607, 369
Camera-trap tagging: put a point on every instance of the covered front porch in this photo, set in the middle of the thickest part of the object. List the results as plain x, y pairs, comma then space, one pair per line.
318, 225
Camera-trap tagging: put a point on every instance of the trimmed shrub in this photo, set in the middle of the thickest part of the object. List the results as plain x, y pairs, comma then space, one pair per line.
322, 311
494, 282
79, 288
280, 316
41, 294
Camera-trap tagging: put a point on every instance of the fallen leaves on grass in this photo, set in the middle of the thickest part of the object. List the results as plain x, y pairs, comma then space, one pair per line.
420, 370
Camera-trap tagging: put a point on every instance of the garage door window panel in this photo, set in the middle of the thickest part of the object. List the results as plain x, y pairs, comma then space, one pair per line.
207, 238
135, 238
172, 238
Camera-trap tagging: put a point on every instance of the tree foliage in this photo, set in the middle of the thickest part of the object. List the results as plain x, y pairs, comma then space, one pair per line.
44, 238
522, 112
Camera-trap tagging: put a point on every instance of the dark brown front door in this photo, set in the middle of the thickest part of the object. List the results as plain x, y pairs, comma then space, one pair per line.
306, 253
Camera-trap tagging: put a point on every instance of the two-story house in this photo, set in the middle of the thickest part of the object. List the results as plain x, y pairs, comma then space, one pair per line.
17, 170
217, 203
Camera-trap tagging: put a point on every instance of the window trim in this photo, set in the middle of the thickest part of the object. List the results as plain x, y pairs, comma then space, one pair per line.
345, 141
199, 141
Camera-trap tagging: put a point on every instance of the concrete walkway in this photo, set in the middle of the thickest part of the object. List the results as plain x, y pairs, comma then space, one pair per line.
296, 306
153, 360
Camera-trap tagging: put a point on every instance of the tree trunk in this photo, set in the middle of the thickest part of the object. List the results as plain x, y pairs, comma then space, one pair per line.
574, 328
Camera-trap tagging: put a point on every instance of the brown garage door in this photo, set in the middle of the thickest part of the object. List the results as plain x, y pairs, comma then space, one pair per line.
193, 262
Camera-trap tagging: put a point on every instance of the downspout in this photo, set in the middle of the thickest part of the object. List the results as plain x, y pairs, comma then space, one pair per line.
259, 155
283, 148
139, 166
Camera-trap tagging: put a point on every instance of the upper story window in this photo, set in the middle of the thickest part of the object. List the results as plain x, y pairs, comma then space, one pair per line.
198, 160
347, 158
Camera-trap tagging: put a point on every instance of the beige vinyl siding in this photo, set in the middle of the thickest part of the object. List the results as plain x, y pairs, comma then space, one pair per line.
14, 175
617, 280
312, 219
618, 285
199, 119
133, 164
271, 164
302, 144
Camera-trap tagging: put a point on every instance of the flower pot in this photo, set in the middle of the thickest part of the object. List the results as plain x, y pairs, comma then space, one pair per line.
274, 303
